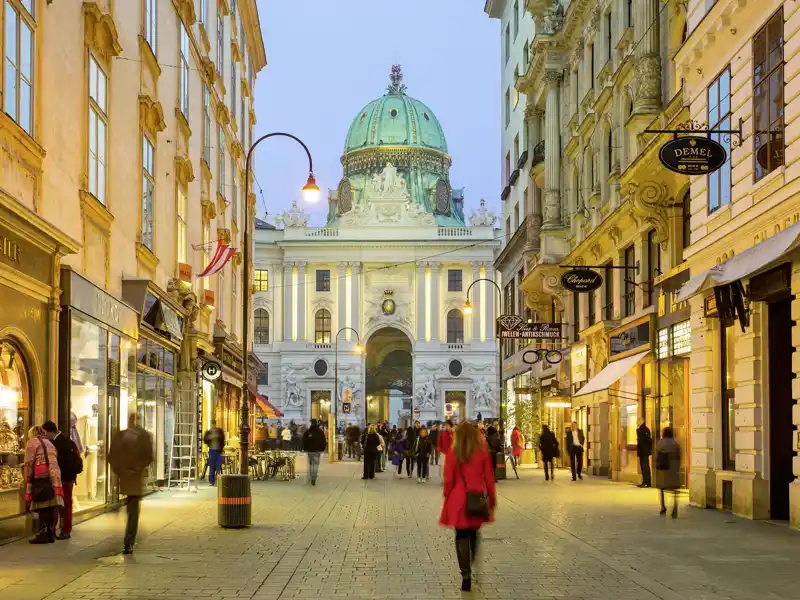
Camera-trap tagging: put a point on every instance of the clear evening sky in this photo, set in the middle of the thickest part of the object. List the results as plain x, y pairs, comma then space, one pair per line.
328, 58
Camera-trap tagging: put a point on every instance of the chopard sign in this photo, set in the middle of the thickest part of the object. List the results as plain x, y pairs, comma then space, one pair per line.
581, 280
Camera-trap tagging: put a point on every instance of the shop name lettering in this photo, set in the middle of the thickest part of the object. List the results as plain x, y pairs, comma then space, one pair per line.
10, 249
580, 279
107, 308
693, 152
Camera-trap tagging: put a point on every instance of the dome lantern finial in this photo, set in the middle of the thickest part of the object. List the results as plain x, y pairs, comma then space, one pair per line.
396, 77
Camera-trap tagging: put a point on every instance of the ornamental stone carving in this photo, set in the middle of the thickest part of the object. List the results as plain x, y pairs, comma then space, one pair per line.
293, 217
292, 395
484, 217
426, 393
553, 19
648, 82
552, 208
387, 184
482, 396
100, 31
551, 78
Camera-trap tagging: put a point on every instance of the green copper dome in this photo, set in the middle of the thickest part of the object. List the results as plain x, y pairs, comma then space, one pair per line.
396, 119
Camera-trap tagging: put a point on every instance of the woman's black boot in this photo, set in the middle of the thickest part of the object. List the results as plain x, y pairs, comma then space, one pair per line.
464, 554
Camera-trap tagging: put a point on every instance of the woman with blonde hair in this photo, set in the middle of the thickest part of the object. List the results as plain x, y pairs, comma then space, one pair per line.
469, 495
44, 493
372, 444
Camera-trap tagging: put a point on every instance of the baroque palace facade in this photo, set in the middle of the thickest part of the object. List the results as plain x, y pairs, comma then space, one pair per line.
389, 273
122, 136
694, 326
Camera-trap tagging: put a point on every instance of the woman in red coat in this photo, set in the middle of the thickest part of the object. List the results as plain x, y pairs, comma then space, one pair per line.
467, 468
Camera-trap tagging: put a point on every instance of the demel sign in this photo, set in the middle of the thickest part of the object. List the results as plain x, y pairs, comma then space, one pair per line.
693, 155
581, 281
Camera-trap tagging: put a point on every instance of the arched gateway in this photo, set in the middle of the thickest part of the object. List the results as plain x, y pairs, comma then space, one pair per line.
389, 377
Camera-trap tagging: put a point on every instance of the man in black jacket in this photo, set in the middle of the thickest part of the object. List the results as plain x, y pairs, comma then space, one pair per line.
575, 442
644, 448
70, 464
434, 437
314, 444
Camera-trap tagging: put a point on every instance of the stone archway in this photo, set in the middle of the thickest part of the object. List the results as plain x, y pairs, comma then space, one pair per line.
389, 377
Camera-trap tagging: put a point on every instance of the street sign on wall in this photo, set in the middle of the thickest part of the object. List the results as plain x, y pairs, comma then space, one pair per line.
510, 327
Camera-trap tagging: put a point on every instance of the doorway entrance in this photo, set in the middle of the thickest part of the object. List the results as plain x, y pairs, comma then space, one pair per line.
389, 383
780, 407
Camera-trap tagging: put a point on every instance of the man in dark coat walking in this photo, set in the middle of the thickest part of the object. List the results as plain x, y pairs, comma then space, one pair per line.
71, 464
575, 445
548, 445
314, 443
644, 448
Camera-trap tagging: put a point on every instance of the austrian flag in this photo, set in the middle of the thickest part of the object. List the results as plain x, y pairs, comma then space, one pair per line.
221, 257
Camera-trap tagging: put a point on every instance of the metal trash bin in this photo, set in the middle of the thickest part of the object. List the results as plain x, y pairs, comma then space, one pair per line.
234, 501
499, 466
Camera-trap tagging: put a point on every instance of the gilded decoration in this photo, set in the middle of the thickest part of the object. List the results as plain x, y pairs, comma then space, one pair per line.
236, 260
209, 71
185, 9
151, 115
224, 235
100, 32
236, 53
402, 157
184, 171
150, 58
183, 125
245, 87
223, 114
208, 209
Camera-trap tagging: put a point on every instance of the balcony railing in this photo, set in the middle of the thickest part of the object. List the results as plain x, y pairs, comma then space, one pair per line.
325, 232
523, 159
514, 176
455, 232
538, 154
505, 193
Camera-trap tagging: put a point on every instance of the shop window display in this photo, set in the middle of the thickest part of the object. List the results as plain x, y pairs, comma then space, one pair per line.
89, 414
15, 409
155, 385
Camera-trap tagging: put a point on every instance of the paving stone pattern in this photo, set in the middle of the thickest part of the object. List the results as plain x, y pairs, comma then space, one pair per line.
346, 538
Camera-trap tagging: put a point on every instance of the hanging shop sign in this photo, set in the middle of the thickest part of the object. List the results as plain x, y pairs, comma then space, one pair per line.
531, 357
578, 363
211, 370
510, 327
693, 155
581, 281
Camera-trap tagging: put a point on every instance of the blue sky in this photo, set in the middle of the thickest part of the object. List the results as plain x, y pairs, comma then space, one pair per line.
329, 58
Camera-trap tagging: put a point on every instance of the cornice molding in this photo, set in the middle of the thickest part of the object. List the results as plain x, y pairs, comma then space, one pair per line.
151, 115
100, 32
184, 171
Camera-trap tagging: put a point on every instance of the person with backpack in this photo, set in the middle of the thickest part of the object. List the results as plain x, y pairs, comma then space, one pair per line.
71, 465
668, 469
469, 495
548, 445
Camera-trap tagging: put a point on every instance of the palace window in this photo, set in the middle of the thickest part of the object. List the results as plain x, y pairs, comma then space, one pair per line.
323, 280
234, 191
148, 192
233, 90
220, 41
768, 102
261, 280
150, 17
221, 161
182, 213
19, 52
516, 18
455, 280
455, 327
184, 73
322, 327
719, 117
98, 130
261, 326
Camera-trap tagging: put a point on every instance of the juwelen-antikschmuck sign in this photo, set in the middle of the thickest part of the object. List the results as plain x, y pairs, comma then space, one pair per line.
510, 327
693, 155
581, 280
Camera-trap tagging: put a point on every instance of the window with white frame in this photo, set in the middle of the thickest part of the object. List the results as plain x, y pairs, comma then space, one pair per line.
182, 231
207, 125
233, 90
719, 117
98, 130
220, 41
221, 296
261, 280
234, 191
150, 23
184, 73
148, 192
221, 161
203, 12
19, 52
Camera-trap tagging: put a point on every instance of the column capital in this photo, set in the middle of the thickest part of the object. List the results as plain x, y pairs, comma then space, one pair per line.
343, 265
476, 265
533, 112
301, 265
435, 266
551, 78
422, 265
355, 266
288, 266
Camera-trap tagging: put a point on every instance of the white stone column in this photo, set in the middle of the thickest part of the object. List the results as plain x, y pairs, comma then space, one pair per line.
341, 286
288, 296
301, 301
435, 304
355, 297
421, 308
648, 58
552, 159
475, 300
573, 92
491, 298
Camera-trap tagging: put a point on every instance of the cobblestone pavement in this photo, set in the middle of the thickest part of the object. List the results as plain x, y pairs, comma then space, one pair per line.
346, 538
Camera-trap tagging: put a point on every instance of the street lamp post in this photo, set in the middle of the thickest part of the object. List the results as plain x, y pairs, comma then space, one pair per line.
332, 430
468, 311
310, 192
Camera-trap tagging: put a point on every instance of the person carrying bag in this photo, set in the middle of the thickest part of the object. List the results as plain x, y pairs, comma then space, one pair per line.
44, 494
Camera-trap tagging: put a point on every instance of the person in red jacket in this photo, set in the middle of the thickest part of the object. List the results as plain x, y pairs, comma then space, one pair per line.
468, 468
444, 444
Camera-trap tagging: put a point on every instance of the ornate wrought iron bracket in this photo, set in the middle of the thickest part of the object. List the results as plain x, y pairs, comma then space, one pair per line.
701, 128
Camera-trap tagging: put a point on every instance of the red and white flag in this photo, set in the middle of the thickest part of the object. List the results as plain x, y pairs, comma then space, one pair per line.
221, 257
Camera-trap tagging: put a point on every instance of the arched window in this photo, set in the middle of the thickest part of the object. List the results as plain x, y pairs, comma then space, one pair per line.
261, 326
455, 327
322, 327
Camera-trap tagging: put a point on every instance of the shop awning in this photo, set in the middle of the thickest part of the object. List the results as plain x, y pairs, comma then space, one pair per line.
611, 374
267, 407
745, 264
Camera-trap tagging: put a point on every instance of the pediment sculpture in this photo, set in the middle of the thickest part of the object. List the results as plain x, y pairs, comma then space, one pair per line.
388, 184
482, 396
484, 217
293, 216
426, 394
292, 397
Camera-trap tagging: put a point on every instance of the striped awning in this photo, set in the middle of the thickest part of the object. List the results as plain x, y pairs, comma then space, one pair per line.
269, 410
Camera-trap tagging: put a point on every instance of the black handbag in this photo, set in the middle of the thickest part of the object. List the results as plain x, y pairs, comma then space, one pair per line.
477, 502
41, 487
